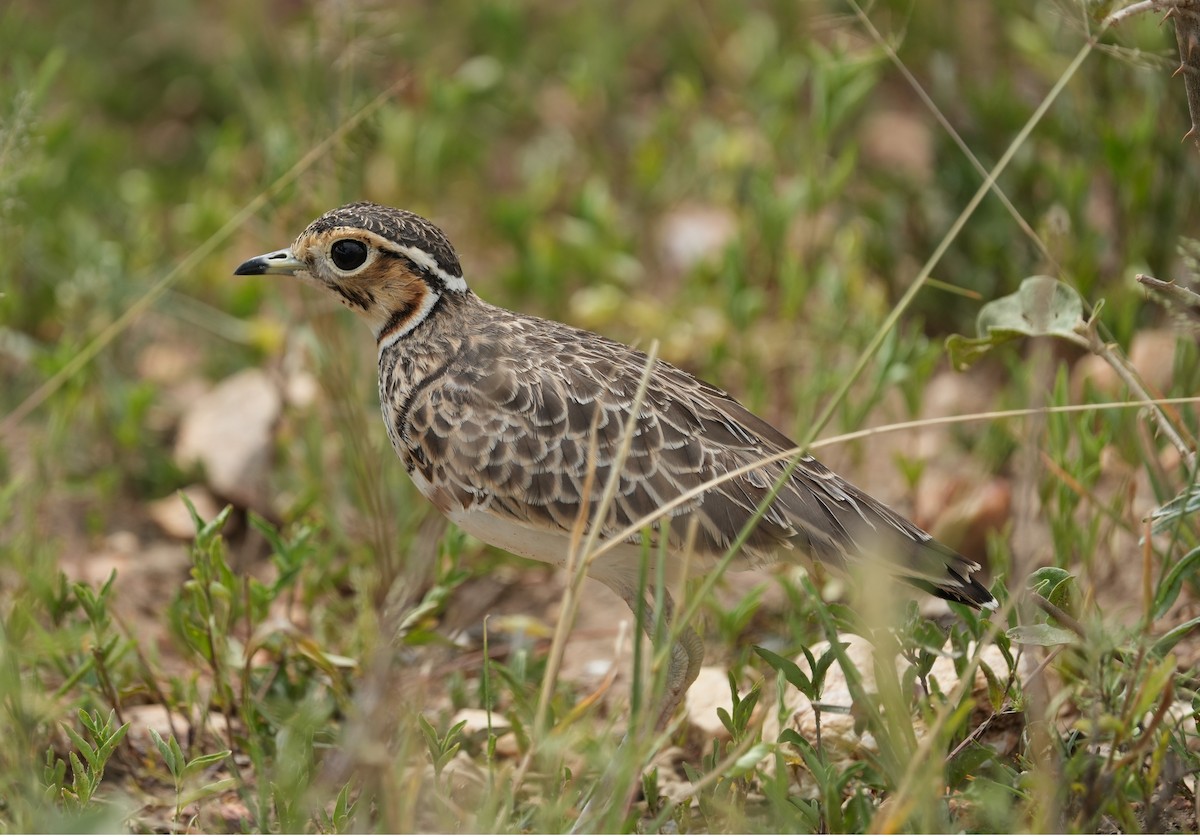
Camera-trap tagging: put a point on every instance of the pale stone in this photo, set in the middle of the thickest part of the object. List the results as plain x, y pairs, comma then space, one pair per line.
1151, 353
838, 737
228, 431
172, 515
709, 693
154, 716
691, 235
477, 727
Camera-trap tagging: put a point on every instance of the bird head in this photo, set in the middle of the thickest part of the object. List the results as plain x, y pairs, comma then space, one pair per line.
387, 265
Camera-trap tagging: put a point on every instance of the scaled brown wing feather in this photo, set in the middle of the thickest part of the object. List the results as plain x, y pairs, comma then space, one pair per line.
517, 416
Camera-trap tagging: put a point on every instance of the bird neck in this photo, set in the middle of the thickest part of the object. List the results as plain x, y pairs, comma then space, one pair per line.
408, 364
403, 321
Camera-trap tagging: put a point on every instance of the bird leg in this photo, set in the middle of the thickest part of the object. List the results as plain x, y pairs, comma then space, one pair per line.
685, 655
683, 665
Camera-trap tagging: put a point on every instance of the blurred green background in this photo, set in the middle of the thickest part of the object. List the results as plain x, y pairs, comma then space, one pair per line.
580, 156
753, 184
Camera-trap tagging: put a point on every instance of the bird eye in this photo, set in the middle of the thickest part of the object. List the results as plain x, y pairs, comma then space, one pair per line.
348, 254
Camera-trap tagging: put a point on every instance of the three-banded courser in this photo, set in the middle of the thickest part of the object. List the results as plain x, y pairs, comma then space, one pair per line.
492, 413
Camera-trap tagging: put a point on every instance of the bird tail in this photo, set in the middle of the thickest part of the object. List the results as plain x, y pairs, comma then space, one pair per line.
952, 580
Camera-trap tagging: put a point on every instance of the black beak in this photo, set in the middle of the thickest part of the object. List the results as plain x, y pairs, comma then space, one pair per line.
281, 262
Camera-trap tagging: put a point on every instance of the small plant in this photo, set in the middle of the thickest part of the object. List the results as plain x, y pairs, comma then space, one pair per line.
88, 759
738, 721
442, 747
182, 768
810, 685
340, 818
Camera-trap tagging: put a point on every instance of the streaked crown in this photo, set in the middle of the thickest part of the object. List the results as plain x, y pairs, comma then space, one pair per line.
413, 236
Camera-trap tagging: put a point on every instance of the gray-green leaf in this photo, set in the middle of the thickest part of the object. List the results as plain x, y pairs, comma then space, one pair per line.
1041, 635
1042, 306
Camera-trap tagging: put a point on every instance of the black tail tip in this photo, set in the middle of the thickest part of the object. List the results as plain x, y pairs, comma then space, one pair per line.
965, 591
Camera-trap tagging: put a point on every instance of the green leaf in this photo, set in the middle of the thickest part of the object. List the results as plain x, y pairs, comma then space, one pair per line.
968, 762
209, 790
456, 730
965, 352
749, 759
1171, 638
92, 723
1187, 502
81, 744
81, 785
1169, 587
1153, 684
200, 762
821, 668
744, 708
787, 668
110, 744
650, 787
522, 734
445, 758
1041, 635
1042, 306
790, 736
343, 808
165, 750
55, 769
206, 532
726, 721
431, 736
1056, 585
47, 70
994, 686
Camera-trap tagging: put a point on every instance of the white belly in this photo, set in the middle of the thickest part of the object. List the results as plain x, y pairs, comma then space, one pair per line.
619, 567
539, 544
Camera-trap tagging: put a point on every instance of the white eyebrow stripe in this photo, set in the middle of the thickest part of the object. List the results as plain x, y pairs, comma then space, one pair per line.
420, 257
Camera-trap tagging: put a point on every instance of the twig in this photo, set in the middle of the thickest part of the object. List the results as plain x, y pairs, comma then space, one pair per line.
1058, 613
1134, 9
1186, 15
1187, 38
1111, 355
1177, 293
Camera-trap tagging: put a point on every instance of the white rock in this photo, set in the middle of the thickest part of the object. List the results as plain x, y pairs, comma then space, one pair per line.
690, 235
154, 716
172, 515
838, 736
477, 725
1152, 354
228, 431
709, 693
